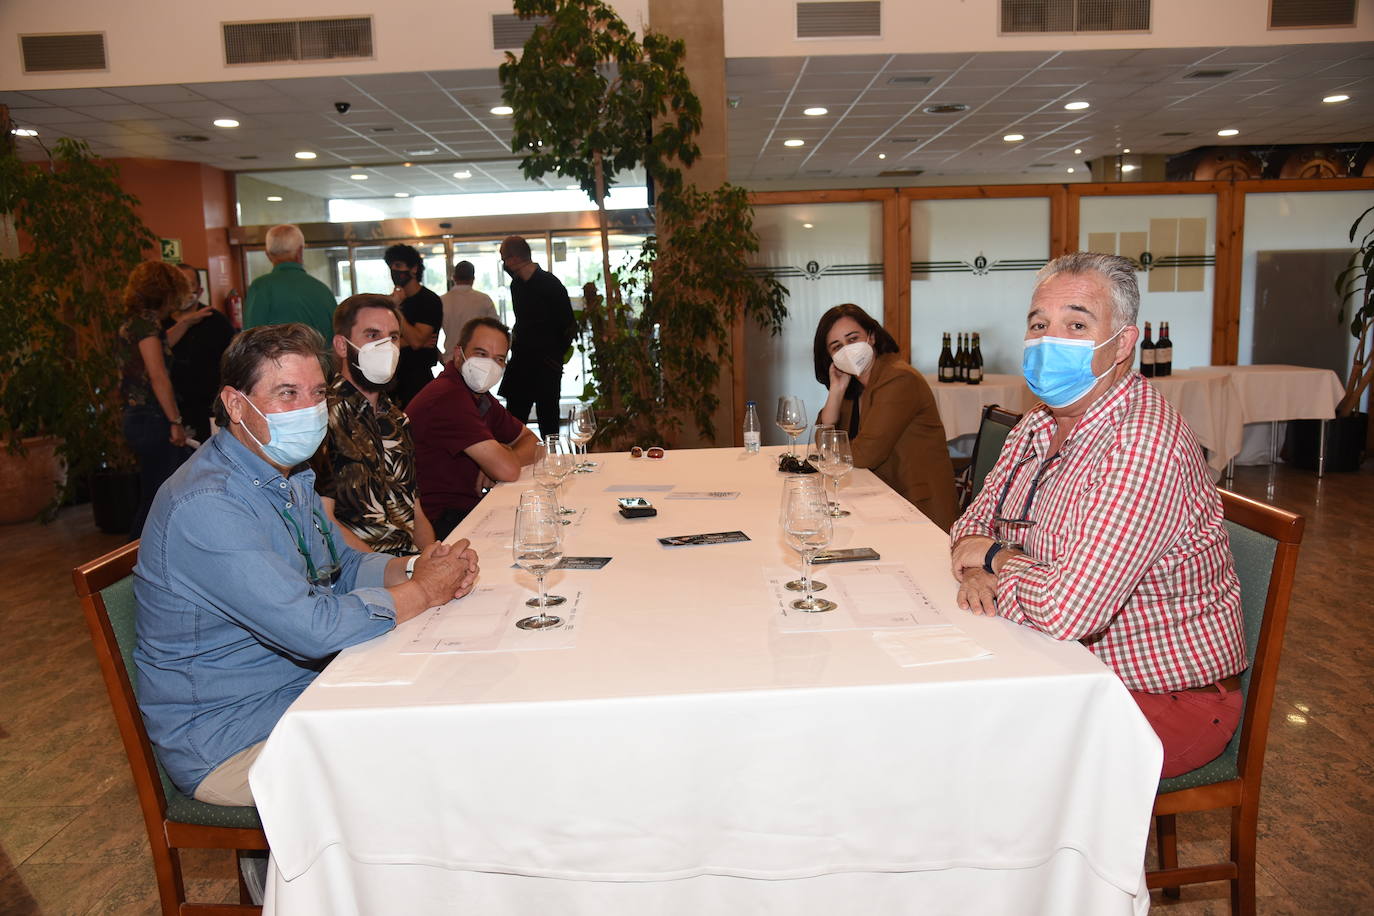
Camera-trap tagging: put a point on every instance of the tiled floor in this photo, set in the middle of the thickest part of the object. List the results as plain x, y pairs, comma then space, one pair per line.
72, 841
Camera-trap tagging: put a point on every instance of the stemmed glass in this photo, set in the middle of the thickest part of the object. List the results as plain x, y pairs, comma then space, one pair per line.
547, 476
808, 529
548, 501
799, 482
581, 427
791, 419
816, 432
560, 463
538, 548
837, 460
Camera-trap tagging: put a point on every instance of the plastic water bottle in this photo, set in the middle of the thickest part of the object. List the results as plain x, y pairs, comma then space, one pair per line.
751, 428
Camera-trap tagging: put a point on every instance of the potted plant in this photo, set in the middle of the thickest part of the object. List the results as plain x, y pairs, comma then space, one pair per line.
74, 237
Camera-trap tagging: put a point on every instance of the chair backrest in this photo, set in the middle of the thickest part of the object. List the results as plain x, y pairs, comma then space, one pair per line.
1264, 543
993, 430
106, 589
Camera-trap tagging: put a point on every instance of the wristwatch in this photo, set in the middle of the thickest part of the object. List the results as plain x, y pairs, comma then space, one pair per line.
995, 549
176, 421
410, 565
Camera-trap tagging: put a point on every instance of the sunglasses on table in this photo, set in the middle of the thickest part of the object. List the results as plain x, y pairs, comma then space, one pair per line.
656, 451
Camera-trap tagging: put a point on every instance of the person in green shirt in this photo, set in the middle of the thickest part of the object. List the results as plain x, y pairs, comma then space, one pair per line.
288, 293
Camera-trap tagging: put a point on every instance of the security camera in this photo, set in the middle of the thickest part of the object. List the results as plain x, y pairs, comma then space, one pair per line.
342, 107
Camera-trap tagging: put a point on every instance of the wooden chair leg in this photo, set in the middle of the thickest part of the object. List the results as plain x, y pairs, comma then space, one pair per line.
1244, 823
1166, 842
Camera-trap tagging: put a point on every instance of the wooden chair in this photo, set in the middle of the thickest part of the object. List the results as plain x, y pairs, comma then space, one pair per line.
993, 430
1264, 542
106, 589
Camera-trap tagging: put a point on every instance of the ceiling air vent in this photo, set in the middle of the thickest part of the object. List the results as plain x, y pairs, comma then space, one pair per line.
1075, 16
840, 19
53, 53
909, 81
509, 31
900, 173
1208, 74
305, 39
903, 139
1301, 14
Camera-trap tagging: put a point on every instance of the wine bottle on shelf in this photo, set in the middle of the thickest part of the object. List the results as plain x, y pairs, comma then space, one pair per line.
1147, 354
946, 361
961, 361
1164, 352
975, 362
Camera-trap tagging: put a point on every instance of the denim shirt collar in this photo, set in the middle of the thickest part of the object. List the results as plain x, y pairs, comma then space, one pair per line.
256, 471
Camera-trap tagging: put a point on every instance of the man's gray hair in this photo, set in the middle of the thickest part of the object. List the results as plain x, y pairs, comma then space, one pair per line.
1117, 272
284, 240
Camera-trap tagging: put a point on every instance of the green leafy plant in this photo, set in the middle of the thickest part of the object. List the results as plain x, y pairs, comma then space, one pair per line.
1354, 283
59, 302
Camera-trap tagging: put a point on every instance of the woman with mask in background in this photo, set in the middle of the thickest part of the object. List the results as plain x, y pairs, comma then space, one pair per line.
365, 470
887, 408
152, 422
464, 438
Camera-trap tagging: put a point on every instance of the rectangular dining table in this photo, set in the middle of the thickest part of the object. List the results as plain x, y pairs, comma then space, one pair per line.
686, 746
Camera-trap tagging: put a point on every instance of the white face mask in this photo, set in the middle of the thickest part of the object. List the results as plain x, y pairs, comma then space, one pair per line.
854, 358
481, 372
378, 359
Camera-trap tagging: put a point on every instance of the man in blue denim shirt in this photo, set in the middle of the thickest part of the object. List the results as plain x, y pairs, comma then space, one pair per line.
245, 589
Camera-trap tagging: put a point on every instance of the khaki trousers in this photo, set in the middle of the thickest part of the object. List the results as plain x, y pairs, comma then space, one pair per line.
227, 783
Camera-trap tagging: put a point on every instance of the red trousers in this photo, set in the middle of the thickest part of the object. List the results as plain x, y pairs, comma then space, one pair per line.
1193, 725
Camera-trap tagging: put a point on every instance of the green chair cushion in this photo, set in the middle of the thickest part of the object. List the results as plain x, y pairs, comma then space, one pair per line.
122, 609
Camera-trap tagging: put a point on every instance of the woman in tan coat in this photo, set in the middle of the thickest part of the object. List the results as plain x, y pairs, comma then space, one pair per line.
887, 407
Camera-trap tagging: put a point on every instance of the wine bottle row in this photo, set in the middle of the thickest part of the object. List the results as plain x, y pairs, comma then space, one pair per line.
1157, 357
964, 365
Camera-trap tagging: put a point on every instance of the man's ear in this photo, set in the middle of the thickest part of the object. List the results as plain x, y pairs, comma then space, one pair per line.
341, 347
1125, 344
232, 405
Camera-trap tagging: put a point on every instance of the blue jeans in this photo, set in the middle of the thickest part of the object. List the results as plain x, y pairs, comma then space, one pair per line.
149, 435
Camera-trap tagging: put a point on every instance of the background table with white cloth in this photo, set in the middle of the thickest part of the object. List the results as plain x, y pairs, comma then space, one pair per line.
685, 753
1268, 395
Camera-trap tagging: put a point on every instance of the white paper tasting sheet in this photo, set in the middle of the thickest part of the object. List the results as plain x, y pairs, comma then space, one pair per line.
869, 596
484, 621
499, 524
876, 507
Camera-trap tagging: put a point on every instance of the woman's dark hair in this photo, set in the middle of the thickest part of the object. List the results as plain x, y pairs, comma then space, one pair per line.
241, 365
882, 340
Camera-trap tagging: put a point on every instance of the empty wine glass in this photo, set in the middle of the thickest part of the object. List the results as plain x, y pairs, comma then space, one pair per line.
837, 460
816, 441
791, 419
560, 463
546, 474
808, 528
789, 485
549, 501
538, 548
581, 428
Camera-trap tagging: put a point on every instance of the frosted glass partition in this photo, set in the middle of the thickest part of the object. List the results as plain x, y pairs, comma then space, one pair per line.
1278, 228
1173, 239
973, 265
838, 259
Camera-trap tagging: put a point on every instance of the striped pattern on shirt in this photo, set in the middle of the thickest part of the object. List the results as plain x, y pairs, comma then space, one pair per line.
1127, 551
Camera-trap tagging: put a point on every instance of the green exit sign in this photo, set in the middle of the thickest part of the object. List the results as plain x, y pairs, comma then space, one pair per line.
171, 250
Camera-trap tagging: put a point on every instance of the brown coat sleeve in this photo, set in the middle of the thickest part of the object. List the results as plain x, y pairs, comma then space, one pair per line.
895, 403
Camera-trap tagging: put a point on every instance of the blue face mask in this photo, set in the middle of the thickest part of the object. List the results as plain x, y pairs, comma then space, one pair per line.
1059, 370
295, 434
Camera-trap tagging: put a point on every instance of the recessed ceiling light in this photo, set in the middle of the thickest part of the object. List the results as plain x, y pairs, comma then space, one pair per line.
401, 194
1339, 97
1075, 106
1078, 152
1128, 168
815, 112
1070, 170
428, 151
794, 142
1014, 138
1227, 132
226, 122
1126, 150
407, 164
305, 154
502, 111
808, 225
275, 199
358, 176
882, 155
463, 174
24, 132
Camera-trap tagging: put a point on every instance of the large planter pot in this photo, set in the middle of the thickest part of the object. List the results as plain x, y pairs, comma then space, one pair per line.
114, 500
29, 482
1345, 440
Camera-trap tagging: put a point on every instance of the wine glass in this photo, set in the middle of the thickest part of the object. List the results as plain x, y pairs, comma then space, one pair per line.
581, 427
547, 476
547, 500
538, 548
791, 419
560, 463
816, 431
789, 485
808, 528
837, 460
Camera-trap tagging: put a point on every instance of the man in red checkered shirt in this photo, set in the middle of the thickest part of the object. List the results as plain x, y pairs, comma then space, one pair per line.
1100, 521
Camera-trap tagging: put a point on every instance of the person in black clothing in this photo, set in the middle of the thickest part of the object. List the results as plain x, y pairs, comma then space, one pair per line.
195, 358
544, 328
422, 315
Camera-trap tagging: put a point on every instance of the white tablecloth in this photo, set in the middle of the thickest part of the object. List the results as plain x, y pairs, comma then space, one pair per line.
1210, 405
961, 404
1268, 393
687, 747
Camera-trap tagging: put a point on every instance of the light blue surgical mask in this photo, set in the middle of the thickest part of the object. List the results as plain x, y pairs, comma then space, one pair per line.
1059, 370
295, 434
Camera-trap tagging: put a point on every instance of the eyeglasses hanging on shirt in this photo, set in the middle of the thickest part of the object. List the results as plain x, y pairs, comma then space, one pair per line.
322, 577
1023, 519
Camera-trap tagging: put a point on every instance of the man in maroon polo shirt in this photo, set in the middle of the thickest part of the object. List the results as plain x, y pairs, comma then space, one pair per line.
463, 436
